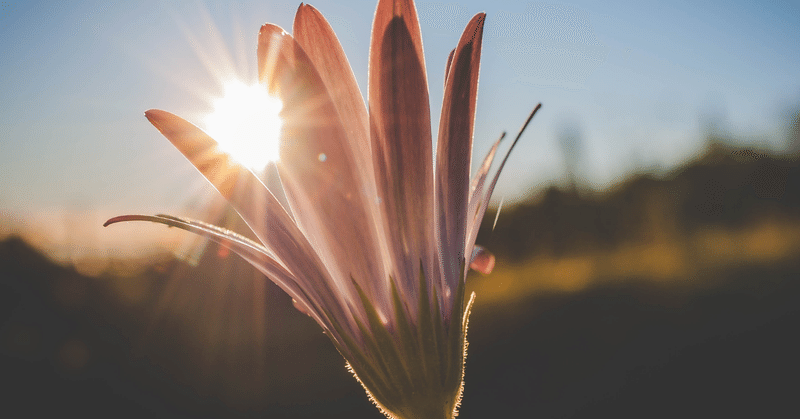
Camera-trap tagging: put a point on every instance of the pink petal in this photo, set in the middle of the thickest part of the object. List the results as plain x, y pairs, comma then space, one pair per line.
318, 167
476, 196
405, 11
315, 35
401, 140
454, 153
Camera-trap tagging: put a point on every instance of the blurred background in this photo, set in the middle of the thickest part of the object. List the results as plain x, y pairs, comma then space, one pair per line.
647, 241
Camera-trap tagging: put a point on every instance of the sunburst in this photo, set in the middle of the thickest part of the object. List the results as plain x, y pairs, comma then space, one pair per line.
246, 124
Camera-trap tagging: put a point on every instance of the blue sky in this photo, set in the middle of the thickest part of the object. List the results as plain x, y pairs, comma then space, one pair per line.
638, 81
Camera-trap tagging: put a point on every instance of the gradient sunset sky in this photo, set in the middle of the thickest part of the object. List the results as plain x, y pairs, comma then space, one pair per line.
640, 83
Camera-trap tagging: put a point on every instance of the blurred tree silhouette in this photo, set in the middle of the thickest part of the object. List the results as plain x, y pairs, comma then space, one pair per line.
727, 186
570, 139
793, 140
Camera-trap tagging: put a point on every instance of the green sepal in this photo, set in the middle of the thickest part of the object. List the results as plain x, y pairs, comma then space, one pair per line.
374, 381
409, 344
410, 367
427, 331
386, 346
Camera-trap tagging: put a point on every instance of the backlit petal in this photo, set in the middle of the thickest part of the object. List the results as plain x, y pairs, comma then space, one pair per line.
252, 252
400, 130
318, 167
476, 197
320, 43
454, 152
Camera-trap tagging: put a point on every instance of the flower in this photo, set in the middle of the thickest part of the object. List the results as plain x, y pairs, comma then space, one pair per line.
375, 242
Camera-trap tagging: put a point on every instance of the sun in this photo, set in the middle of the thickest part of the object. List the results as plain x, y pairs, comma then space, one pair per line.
246, 124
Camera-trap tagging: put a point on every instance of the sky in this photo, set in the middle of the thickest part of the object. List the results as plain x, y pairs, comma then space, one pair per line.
634, 84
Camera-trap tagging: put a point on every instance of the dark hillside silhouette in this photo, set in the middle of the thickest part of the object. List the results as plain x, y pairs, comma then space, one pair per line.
213, 339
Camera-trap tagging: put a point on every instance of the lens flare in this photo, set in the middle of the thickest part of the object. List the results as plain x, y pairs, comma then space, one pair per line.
246, 124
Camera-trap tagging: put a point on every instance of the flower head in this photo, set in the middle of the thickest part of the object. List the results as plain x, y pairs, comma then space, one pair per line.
376, 242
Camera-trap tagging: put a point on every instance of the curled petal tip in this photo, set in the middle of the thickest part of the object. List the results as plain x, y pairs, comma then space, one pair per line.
482, 260
121, 218
156, 117
153, 113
